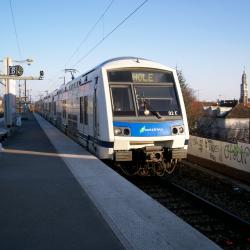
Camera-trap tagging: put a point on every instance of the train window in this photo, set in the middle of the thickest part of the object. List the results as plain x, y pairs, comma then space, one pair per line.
85, 110
122, 100
160, 99
64, 108
54, 107
50, 107
81, 109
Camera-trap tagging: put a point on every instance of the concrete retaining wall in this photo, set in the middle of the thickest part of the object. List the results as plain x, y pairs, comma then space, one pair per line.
233, 155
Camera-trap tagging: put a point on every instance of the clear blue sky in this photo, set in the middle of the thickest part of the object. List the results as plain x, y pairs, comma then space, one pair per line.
208, 39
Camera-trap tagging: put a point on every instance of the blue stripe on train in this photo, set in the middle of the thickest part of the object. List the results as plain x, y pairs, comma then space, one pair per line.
149, 128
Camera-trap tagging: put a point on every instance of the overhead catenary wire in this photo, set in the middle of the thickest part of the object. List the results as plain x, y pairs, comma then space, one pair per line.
15, 29
89, 32
105, 37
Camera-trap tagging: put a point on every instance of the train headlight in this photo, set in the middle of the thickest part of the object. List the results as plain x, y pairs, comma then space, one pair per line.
122, 131
181, 130
126, 131
117, 131
177, 130
174, 131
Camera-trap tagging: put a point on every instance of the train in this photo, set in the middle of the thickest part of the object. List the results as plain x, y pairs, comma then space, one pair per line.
127, 110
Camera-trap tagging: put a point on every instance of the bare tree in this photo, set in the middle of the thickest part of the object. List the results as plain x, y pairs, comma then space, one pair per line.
193, 107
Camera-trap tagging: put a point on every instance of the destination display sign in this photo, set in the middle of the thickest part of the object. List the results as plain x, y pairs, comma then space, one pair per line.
144, 77
140, 76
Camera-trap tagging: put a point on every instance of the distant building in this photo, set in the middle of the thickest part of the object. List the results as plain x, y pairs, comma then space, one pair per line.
228, 123
244, 89
227, 120
228, 103
219, 109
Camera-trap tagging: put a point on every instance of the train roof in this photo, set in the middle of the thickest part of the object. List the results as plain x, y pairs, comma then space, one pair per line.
136, 59
122, 58
115, 59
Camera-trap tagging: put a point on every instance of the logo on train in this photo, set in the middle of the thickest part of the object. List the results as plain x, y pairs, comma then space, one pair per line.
144, 129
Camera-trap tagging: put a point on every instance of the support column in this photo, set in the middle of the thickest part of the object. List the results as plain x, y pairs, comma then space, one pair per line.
9, 97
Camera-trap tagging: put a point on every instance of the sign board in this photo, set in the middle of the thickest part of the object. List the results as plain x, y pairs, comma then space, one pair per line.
16, 70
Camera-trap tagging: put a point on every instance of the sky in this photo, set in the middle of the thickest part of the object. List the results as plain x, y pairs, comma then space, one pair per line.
209, 40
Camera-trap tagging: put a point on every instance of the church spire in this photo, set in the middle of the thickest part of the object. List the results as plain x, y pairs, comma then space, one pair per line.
244, 88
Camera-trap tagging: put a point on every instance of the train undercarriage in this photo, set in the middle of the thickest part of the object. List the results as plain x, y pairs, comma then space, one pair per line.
149, 161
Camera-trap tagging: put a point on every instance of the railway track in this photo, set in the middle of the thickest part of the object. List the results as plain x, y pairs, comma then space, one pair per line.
226, 229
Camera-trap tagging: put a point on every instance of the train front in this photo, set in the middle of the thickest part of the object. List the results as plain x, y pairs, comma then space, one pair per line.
149, 119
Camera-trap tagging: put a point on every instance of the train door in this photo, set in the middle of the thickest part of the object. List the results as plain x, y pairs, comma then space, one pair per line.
86, 119
54, 110
64, 116
50, 111
81, 117
95, 109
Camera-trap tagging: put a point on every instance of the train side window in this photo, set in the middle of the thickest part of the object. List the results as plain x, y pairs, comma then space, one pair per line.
81, 109
50, 107
85, 110
54, 108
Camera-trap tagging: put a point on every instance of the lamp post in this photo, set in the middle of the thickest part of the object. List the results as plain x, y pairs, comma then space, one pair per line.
198, 93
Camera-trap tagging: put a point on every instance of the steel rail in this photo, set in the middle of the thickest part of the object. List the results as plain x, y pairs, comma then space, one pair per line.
213, 208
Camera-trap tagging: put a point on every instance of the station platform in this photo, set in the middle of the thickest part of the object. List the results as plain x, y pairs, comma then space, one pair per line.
56, 195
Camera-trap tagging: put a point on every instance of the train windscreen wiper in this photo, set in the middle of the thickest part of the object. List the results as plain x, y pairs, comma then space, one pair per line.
147, 108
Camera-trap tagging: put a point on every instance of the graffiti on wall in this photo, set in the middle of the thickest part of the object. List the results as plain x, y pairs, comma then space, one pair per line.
213, 149
237, 153
233, 155
197, 142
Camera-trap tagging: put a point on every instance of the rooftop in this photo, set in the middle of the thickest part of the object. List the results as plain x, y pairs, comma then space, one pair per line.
239, 111
226, 110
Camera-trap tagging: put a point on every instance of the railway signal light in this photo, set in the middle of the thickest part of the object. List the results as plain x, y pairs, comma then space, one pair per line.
41, 75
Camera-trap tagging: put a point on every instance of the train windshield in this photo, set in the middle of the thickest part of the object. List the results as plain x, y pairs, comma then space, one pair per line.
122, 101
157, 100
143, 93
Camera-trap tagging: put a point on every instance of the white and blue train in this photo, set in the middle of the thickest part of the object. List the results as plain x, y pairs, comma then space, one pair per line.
128, 110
